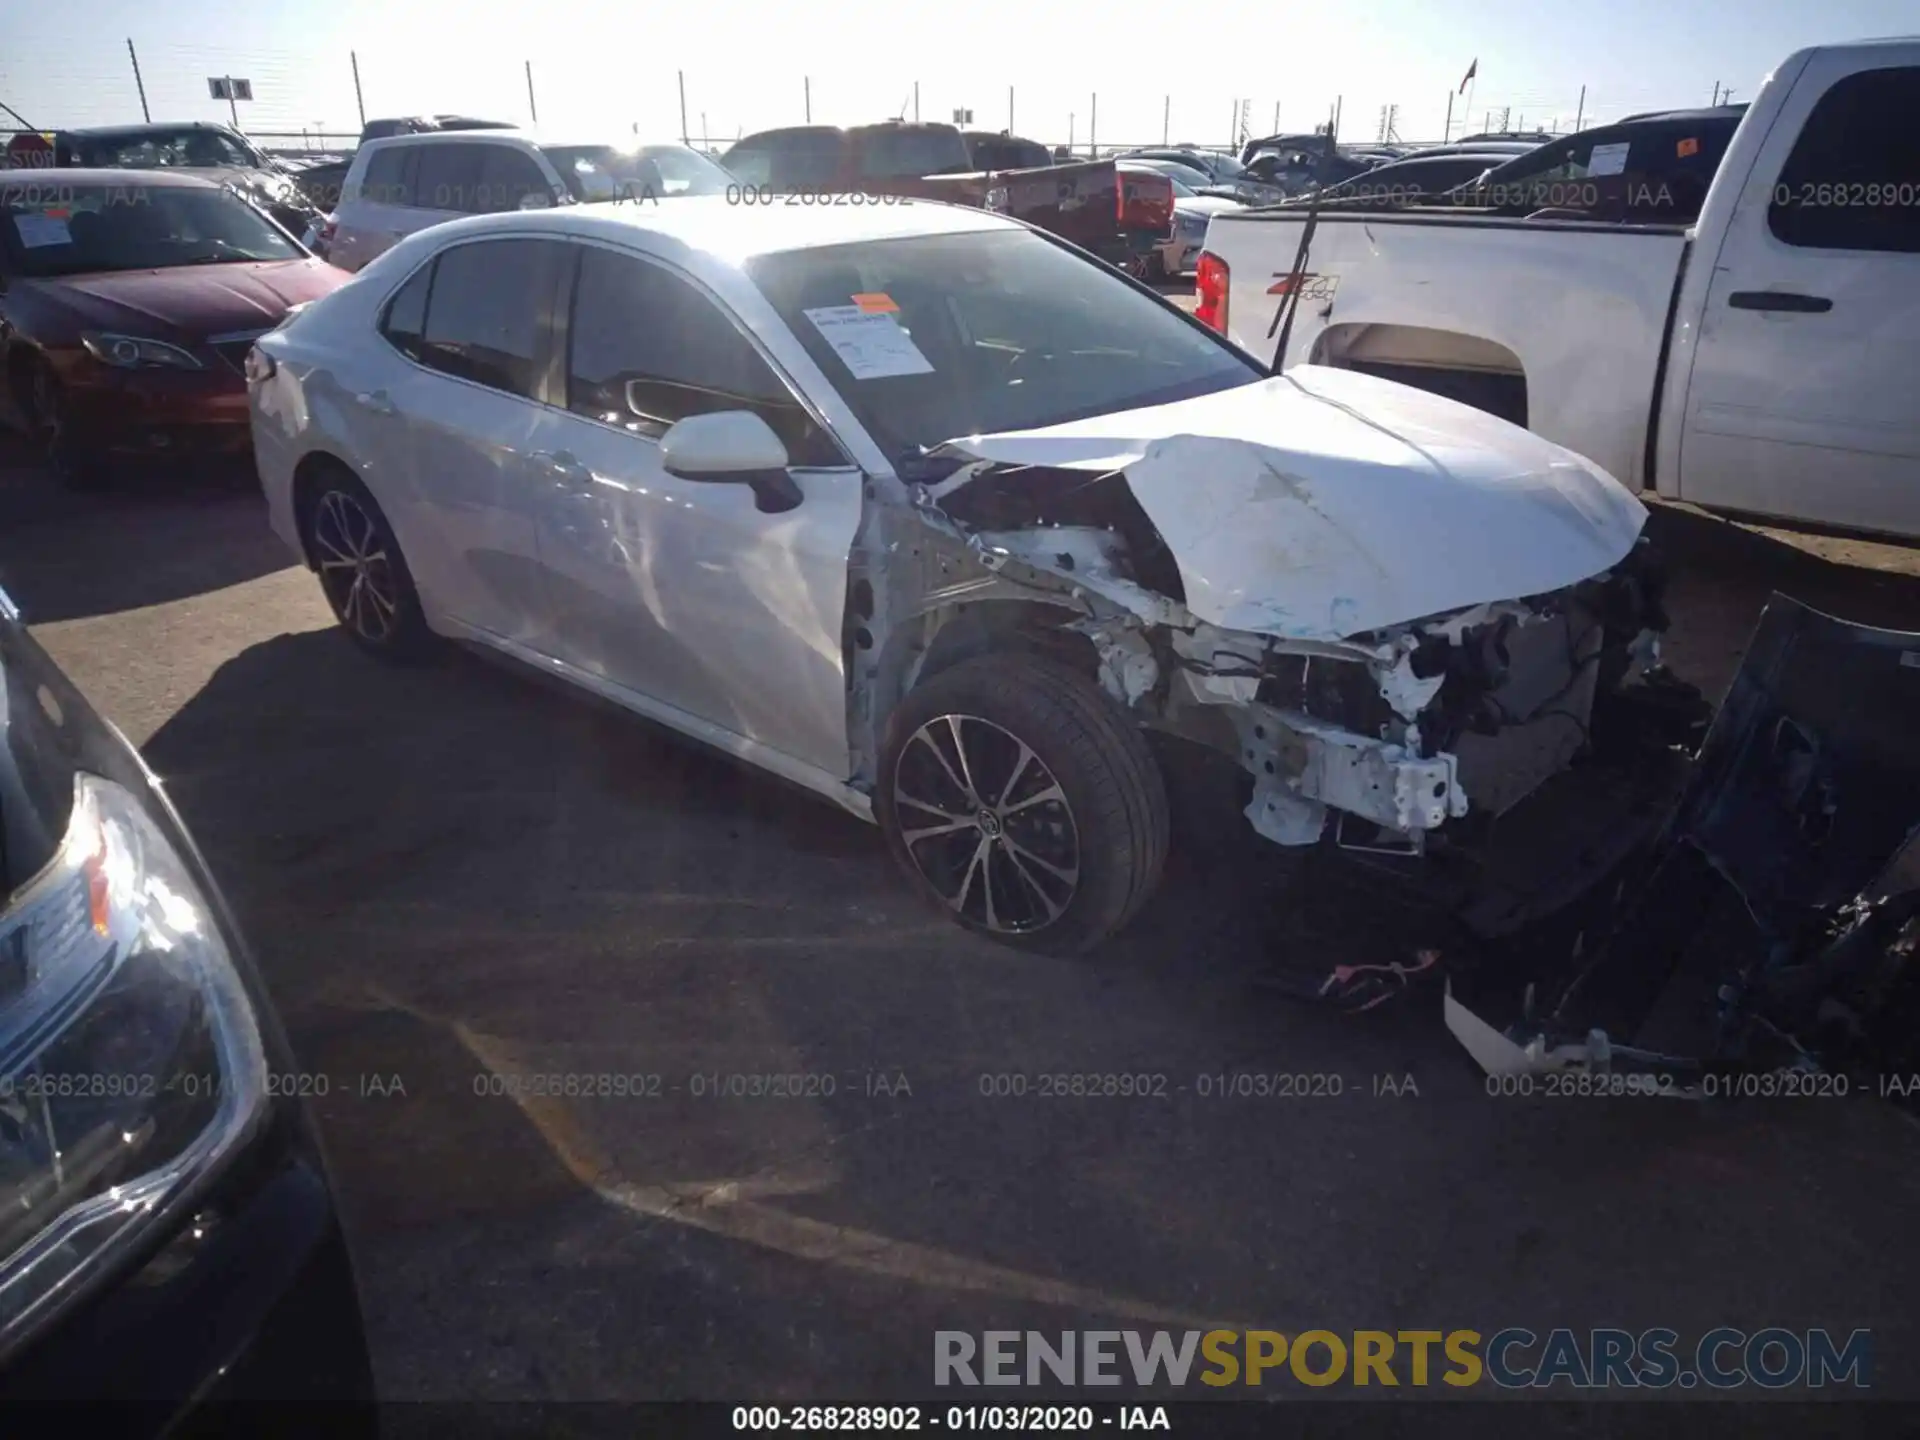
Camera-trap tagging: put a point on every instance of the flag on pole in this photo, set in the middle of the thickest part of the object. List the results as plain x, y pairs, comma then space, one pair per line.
1472, 70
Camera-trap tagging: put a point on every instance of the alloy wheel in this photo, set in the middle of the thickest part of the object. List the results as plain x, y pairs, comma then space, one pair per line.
355, 570
987, 824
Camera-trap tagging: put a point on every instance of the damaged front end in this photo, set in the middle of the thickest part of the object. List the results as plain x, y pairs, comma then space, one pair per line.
1375, 738
1774, 923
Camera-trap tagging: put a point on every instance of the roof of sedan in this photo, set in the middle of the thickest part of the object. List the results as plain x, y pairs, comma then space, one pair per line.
102, 132
729, 228
77, 175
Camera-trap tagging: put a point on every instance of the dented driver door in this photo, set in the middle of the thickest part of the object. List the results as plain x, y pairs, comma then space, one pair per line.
697, 605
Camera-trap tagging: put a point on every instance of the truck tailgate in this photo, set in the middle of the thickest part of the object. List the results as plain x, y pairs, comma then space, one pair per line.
1576, 310
1078, 202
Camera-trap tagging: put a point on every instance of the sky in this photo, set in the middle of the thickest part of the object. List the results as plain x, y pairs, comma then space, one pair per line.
604, 70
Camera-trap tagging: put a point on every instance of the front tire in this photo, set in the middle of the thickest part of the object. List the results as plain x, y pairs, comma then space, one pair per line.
362, 572
60, 448
1024, 803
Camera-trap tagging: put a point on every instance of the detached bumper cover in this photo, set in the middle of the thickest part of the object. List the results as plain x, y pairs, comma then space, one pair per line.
1804, 803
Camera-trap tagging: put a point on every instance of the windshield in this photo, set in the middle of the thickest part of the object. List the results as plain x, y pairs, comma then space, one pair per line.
887, 153
1181, 188
62, 229
607, 172
164, 149
942, 336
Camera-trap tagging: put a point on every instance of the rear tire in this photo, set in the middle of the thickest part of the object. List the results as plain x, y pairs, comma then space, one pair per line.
1024, 803
362, 571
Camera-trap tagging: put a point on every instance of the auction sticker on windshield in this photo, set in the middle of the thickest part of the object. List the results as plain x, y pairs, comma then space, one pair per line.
1607, 160
37, 230
870, 343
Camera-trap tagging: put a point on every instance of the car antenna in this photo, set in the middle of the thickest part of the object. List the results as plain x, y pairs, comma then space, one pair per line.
1296, 278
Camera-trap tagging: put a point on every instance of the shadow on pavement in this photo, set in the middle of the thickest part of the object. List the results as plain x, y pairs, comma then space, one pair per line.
449, 874
147, 540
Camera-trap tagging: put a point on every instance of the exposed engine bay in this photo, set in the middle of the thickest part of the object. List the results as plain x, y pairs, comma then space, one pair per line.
1379, 738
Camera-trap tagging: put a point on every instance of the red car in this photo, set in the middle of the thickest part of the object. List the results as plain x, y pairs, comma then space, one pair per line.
128, 302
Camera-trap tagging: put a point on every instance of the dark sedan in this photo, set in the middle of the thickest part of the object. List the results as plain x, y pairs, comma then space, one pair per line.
128, 302
169, 1246
1405, 182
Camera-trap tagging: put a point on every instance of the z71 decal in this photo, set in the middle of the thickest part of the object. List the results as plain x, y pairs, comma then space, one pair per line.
1312, 286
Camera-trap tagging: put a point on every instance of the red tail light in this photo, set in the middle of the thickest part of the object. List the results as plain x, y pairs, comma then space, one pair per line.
1144, 201
1210, 291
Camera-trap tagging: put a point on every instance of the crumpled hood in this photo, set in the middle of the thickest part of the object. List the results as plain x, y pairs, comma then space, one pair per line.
1324, 503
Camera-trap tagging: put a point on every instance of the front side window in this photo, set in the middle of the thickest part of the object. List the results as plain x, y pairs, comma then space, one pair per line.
936, 337
648, 348
50, 228
507, 177
487, 307
448, 177
1853, 179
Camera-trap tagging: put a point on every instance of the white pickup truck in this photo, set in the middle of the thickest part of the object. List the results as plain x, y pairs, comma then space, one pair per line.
1764, 361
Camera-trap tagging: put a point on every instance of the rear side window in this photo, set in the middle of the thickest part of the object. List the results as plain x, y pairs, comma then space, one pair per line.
385, 182
894, 154
649, 348
448, 177
805, 158
406, 318
487, 306
1853, 179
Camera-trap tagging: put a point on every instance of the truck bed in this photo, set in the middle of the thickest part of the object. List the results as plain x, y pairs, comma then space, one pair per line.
1558, 324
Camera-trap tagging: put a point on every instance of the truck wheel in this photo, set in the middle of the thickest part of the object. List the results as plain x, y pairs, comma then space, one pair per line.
1022, 801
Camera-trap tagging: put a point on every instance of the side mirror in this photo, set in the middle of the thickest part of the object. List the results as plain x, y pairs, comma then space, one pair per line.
729, 447
536, 200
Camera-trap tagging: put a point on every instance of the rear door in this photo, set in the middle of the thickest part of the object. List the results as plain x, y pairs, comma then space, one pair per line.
477, 325
373, 212
679, 591
1801, 401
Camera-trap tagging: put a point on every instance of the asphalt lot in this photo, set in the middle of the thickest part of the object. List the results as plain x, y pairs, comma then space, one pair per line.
455, 874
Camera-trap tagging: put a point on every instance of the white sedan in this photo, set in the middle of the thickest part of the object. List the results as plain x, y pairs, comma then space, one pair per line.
920, 509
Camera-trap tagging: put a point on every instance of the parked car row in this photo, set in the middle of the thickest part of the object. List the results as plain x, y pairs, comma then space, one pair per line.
128, 303
214, 152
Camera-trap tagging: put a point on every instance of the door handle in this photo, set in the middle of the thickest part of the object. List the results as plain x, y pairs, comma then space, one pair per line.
562, 463
377, 401
1780, 300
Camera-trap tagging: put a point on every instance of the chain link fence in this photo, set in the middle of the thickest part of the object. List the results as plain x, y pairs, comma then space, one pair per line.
316, 104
